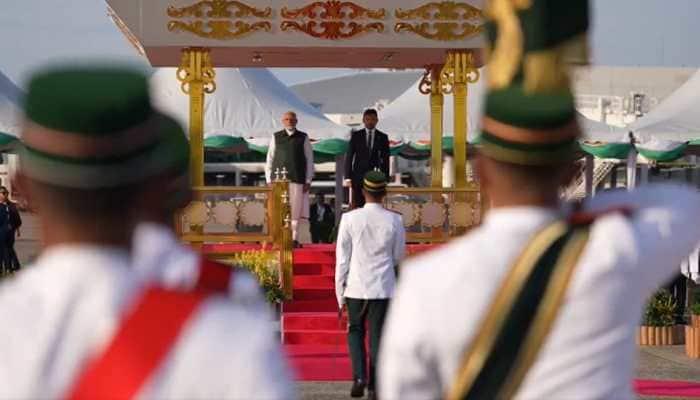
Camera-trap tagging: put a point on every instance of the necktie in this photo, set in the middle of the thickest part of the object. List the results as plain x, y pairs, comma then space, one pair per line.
370, 141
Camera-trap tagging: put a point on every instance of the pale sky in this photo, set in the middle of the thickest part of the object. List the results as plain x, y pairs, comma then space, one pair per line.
626, 32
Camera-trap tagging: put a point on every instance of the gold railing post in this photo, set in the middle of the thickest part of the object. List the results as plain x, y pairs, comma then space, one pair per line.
459, 71
196, 75
437, 101
286, 242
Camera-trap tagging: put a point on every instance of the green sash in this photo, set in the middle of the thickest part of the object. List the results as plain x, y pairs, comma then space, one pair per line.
521, 316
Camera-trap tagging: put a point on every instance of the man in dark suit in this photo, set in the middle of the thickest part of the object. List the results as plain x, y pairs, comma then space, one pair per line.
368, 150
322, 220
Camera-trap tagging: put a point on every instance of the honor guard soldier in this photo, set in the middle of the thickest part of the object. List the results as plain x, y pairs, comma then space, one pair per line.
84, 325
371, 243
539, 302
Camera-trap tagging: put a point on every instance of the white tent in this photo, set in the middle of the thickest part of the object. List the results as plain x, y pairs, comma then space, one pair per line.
677, 118
248, 103
408, 117
600, 131
10, 106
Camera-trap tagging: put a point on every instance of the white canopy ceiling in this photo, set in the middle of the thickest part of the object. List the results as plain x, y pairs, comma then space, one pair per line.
676, 118
408, 117
248, 103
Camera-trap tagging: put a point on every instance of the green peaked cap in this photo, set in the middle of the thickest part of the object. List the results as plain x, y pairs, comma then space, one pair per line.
93, 127
530, 114
374, 181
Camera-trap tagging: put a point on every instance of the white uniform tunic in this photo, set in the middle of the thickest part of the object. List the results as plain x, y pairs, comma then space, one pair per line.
590, 352
371, 242
158, 256
67, 307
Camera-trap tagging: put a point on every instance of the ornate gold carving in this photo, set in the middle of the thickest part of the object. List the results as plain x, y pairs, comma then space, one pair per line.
409, 212
454, 21
446, 10
219, 19
253, 213
225, 213
196, 213
221, 30
459, 68
433, 214
442, 31
218, 9
326, 19
333, 10
332, 30
462, 214
196, 68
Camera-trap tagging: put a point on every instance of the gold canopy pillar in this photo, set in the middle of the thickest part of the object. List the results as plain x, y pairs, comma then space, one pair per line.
459, 71
431, 85
196, 75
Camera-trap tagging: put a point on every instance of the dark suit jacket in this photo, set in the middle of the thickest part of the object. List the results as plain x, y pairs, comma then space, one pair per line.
328, 216
359, 160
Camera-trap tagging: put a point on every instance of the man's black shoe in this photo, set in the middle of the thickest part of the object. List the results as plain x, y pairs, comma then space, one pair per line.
358, 388
371, 394
296, 245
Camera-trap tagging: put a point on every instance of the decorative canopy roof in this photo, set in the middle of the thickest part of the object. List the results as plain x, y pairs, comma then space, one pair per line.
302, 33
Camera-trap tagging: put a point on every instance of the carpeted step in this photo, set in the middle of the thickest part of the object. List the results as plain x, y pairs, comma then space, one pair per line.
324, 305
314, 294
316, 337
310, 256
315, 350
313, 282
314, 269
313, 321
320, 365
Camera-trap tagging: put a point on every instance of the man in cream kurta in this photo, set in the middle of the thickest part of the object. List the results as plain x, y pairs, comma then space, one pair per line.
290, 150
371, 244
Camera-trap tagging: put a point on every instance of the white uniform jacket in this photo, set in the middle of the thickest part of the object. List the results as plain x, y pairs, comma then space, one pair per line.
66, 307
371, 242
590, 352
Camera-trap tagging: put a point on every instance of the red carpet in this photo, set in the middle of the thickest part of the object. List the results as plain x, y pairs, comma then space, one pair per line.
667, 388
314, 339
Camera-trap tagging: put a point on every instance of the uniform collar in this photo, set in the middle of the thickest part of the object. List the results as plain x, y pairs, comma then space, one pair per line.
373, 205
79, 253
152, 235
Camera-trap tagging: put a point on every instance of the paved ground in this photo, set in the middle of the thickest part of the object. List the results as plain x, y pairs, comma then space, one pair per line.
664, 363
654, 362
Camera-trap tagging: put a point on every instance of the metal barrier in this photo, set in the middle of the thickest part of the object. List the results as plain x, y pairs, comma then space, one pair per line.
228, 215
433, 215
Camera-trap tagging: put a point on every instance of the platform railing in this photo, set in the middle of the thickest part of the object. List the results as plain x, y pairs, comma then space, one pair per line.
434, 215
241, 215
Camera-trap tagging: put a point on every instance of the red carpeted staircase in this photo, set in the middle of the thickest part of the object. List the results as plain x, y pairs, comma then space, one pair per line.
314, 338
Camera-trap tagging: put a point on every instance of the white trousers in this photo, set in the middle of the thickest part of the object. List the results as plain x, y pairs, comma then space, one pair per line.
300, 206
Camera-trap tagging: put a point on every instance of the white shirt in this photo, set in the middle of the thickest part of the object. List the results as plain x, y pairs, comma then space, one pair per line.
158, 256
308, 154
371, 242
590, 352
66, 307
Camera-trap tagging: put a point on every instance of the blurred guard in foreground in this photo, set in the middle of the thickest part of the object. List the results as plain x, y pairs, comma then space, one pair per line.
539, 302
84, 325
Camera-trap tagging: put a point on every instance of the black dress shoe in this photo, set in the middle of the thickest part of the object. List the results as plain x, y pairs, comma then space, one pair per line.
296, 245
358, 388
371, 394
